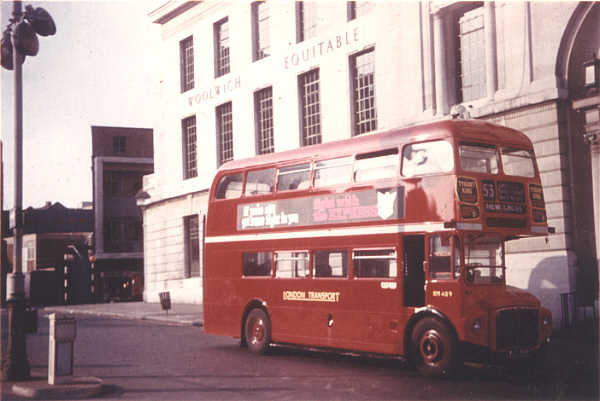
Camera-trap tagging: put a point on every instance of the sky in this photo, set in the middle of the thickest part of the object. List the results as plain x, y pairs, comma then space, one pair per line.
98, 69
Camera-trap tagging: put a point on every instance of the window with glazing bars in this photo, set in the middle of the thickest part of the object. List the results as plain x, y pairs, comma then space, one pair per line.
357, 9
362, 67
186, 63
221, 30
192, 246
188, 129
260, 27
310, 122
472, 55
225, 132
263, 106
306, 20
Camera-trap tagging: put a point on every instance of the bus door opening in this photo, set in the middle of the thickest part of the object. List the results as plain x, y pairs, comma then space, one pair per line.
414, 275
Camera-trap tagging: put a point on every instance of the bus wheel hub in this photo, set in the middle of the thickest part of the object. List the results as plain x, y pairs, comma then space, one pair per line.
431, 346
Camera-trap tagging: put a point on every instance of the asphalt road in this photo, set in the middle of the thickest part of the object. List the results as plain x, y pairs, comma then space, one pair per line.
140, 360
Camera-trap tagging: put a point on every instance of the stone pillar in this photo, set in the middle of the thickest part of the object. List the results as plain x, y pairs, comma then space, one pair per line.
441, 85
491, 64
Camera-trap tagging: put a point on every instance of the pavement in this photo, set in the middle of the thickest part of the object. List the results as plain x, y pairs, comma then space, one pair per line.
78, 387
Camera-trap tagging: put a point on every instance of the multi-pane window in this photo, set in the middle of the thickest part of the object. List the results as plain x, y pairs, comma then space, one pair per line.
186, 63
291, 264
260, 30
192, 246
357, 9
224, 133
308, 85
362, 67
472, 55
188, 130
119, 144
263, 106
306, 20
375, 263
221, 31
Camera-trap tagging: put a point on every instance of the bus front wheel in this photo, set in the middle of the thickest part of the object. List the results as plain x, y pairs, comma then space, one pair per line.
258, 331
434, 348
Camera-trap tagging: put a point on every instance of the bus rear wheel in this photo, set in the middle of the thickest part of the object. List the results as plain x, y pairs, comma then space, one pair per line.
434, 348
257, 330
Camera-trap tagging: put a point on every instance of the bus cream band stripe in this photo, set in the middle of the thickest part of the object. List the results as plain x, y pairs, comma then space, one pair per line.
332, 232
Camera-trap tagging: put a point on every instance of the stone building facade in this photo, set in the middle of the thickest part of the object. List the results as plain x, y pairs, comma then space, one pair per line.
243, 78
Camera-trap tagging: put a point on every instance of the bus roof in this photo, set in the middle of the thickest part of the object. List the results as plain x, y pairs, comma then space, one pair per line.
470, 130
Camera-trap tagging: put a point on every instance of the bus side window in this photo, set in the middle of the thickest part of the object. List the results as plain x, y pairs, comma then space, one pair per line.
377, 166
293, 177
333, 172
259, 182
439, 257
330, 263
256, 264
427, 158
456, 257
229, 187
374, 263
290, 264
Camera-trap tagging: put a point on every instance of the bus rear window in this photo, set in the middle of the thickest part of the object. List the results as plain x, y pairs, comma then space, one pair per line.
229, 187
259, 182
478, 158
333, 172
374, 263
376, 166
293, 177
517, 162
427, 158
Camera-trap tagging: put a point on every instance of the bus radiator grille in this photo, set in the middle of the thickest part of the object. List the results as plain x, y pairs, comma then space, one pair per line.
516, 328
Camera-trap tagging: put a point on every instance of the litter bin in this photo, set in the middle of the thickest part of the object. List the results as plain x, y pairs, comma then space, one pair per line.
165, 300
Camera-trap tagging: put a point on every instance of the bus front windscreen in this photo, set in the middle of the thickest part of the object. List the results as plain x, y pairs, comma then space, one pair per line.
517, 162
484, 259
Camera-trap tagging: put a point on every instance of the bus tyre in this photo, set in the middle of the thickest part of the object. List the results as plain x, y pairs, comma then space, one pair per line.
257, 330
434, 348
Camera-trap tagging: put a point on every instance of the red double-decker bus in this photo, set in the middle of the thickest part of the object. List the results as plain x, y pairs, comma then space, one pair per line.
389, 243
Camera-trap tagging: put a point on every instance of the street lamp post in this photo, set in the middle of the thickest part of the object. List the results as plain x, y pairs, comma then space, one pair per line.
23, 41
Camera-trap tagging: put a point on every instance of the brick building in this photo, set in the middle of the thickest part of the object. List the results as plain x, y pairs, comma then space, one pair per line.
120, 158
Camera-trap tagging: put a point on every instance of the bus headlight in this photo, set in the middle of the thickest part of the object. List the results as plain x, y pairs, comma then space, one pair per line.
546, 316
476, 325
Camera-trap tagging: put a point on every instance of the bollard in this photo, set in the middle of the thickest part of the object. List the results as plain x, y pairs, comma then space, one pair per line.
63, 330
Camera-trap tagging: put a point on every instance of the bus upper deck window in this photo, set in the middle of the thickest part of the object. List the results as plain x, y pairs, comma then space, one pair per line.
376, 166
518, 162
479, 158
293, 177
229, 187
427, 158
333, 171
259, 182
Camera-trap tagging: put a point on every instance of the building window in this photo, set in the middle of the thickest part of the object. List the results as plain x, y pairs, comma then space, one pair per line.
362, 68
224, 133
263, 106
192, 246
471, 63
306, 20
119, 144
221, 31
357, 9
186, 63
261, 40
310, 121
188, 129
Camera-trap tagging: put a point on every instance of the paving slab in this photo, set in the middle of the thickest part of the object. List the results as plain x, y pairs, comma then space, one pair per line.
37, 388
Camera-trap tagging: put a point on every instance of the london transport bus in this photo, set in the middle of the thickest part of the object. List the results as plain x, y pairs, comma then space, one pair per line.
390, 243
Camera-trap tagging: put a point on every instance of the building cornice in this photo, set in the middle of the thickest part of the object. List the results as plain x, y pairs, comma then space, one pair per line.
170, 10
